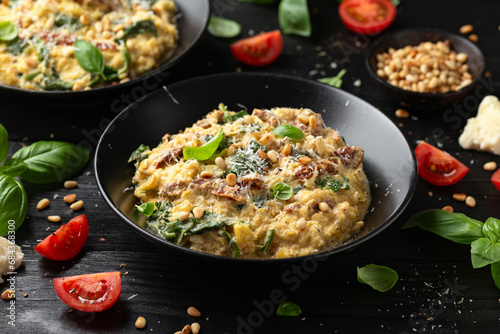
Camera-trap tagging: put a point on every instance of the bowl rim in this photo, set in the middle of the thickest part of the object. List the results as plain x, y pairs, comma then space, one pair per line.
169, 62
321, 255
371, 54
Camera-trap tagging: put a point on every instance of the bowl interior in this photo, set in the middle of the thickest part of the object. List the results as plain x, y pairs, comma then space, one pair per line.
392, 172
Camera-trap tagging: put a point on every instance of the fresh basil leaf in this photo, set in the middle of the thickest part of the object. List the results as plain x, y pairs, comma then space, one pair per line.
8, 31
288, 131
146, 208
89, 57
52, 161
456, 227
380, 278
4, 143
140, 27
204, 152
335, 81
221, 27
267, 241
293, 16
491, 229
13, 167
495, 273
282, 191
13, 203
288, 309
484, 252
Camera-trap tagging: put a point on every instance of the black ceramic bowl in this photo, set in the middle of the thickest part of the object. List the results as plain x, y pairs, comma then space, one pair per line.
192, 20
389, 162
415, 100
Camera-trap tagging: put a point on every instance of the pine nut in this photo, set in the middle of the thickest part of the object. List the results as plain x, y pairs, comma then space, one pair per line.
470, 201
186, 329
198, 213
76, 206
273, 156
462, 57
313, 122
231, 179
248, 119
84, 20
183, 216
448, 208
206, 174
473, 38
305, 160
256, 135
69, 198
490, 166
8, 294
287, 150
219, 161
118, 27
262, 154
54, 219
401, 113
43, 203
304, 119
301, 224
195, 328
192, 311
359, 224
459, 197
231, 150
266, 139
466, 29
323, 206
140, 322
70, 184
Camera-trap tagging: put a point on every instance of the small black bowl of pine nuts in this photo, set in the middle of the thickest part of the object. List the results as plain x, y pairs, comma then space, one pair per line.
425, 68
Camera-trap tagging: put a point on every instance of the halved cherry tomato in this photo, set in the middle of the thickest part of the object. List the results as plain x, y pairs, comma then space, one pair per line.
368, 17
438, 167
67, 241
495, 178
259, 50
91, 292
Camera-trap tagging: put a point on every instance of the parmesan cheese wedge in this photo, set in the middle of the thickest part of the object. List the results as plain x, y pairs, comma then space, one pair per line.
482, 132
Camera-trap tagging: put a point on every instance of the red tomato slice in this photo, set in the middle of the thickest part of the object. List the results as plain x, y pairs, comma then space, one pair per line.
438, 167
259, 50
67, 241
368, 17
495, 178
91, 292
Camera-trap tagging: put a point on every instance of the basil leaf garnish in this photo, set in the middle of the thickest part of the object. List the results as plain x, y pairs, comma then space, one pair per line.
140, 27
221, 27
282, 191
456, 227
8, 31
146, 208
89, 57
335, 81
293, 17
4, 143
491, 229
13, 203
52, 161
495, 273
483, 252
380, 278
13, 167
267, 241
288, 131
204, 152
288, 309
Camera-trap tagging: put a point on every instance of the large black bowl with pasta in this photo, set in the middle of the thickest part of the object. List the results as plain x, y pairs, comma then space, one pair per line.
389, 162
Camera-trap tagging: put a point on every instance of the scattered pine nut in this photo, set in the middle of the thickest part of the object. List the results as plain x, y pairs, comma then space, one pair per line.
305, 160
401, 113
192, 311
304, 119
256, 135
287, 150
186, 329
195, 328
198, 213
206, 174
122, 265
448, 208
231, 150
25, 295
266, 139
248, 119
273, 156
459, 197
76, 206
466, 29
301, 224
8, 294
473, 38
470, 202
219, 161
140, 322
262, 154
231, 179
183, 216
312, 121
54, 219
43, 203
69, 198
490, 166
324, 207
70, 184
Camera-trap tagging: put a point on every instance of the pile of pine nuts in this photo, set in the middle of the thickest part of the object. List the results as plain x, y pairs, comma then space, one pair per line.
426, 68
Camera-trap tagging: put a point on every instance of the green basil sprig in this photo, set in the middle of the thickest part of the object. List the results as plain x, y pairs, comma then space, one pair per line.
335, 81
293, 16
380, 278
495, 272
89, 57
147, 208
222, 27
282, 191
288, 309
8, 31
52, 161
13, 203
288, 131
13, 167
205, 151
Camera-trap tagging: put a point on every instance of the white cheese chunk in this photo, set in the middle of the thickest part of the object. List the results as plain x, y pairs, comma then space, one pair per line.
483, 131
9, 265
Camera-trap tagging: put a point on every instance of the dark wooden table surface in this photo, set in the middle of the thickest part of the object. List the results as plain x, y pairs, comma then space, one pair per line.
438, 290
